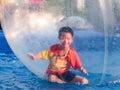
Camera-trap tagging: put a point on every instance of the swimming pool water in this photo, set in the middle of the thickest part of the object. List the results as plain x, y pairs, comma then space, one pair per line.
15, 76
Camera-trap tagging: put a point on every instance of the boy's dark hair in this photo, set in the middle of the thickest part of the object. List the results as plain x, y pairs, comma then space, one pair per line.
65, 29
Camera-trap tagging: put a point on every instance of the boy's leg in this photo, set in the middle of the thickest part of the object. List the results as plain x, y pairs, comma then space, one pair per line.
54, 78
80, 79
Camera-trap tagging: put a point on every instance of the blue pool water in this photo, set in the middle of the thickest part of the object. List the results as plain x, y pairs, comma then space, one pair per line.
15, 76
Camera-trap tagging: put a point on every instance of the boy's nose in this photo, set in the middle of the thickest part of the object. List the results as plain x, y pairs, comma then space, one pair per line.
66, 40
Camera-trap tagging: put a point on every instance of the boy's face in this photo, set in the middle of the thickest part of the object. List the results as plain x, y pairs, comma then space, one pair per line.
66, 39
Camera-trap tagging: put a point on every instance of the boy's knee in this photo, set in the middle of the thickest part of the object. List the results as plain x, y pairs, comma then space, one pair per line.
52, 78
84, 81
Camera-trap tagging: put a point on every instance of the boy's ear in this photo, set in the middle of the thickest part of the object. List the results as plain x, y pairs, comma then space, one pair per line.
72, 39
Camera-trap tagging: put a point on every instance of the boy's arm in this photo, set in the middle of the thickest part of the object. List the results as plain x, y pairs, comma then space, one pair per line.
83, 70
42, 55
33, 56
76, 62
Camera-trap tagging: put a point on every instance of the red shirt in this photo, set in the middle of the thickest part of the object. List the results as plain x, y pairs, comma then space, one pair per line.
64, 64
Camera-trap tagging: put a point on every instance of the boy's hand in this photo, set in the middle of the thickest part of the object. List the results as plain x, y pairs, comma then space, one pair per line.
32, 56
83, 70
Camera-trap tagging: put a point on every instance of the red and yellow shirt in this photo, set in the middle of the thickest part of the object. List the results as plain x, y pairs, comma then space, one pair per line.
60, 64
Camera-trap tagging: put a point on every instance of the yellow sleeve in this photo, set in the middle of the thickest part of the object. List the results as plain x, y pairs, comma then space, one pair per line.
44, 54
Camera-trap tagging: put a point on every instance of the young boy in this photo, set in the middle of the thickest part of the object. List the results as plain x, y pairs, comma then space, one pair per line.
62, 57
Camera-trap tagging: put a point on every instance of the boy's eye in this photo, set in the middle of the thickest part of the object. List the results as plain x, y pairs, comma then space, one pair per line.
65, 38
62, 38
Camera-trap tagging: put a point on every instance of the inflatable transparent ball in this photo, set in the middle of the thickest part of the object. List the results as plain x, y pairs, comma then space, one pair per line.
31, 26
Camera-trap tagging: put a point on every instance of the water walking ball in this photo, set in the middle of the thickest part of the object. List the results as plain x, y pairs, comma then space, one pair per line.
31, 26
